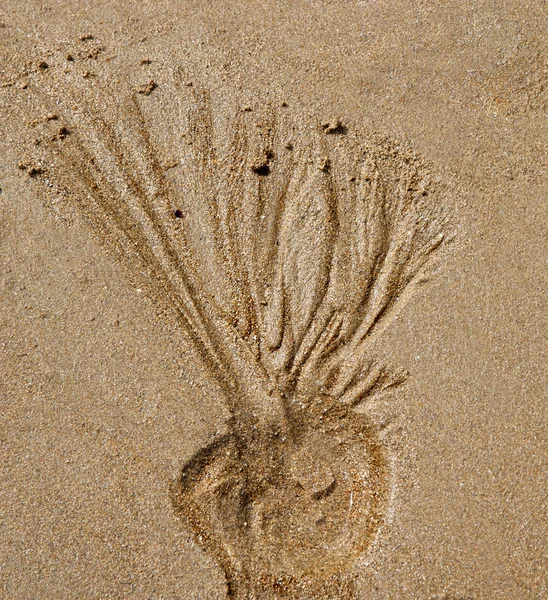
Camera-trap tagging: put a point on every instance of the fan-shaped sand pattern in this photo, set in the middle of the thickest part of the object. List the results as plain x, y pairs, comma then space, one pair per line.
282, 246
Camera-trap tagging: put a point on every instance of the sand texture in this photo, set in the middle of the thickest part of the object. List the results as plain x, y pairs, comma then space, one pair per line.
273, 300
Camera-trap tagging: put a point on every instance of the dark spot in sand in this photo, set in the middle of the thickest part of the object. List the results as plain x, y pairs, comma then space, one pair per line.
147, 88
261, 169
325, 165
35, 170
334, 127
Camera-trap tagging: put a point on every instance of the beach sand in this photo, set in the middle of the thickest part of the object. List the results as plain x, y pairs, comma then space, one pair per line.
104, 394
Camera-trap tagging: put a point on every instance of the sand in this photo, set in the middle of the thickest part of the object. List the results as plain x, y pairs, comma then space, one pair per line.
272, 300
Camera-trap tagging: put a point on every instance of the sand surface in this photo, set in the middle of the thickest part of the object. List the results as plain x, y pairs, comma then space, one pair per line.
312, 137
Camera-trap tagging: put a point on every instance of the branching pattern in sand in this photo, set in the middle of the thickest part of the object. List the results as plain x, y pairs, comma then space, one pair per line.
283, 246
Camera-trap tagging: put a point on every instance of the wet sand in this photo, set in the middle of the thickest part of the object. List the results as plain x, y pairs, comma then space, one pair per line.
107, 395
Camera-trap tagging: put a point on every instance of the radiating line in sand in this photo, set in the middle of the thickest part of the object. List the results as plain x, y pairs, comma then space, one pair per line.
283, 247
